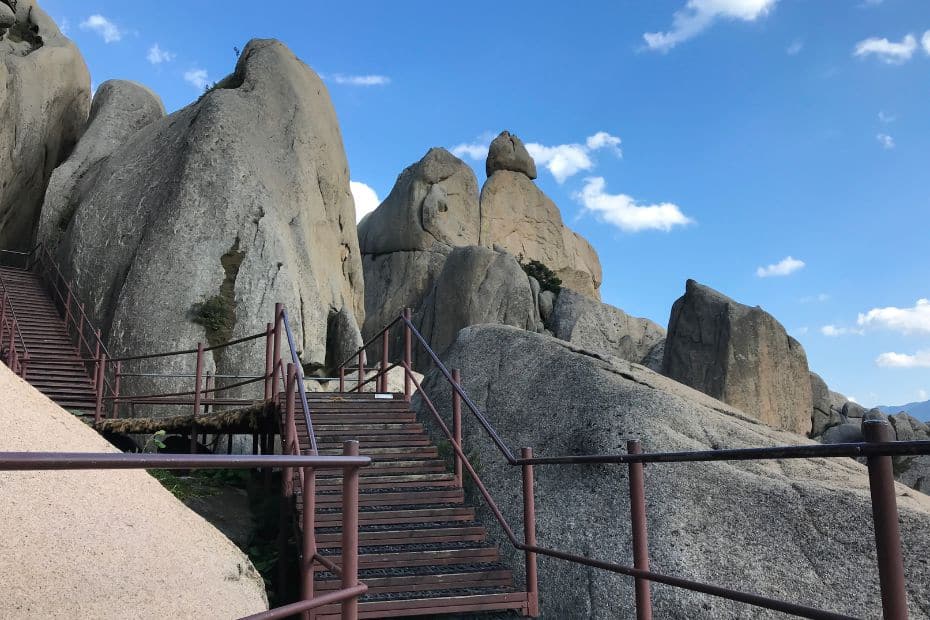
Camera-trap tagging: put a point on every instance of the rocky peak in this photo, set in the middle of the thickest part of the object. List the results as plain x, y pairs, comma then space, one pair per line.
507, 152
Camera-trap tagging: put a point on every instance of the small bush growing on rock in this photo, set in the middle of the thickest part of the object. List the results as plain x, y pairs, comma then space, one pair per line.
547, 279
216, 315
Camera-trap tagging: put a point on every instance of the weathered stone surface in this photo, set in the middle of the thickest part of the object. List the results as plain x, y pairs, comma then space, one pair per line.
117, 542
119, 110
519, 217
837, 400
241, 198
602, 328
764, 526
477, 285
853, 410
507, 152
44, 99
653, 359
740, 355
849, 432
546, 305
824, 414
433, 203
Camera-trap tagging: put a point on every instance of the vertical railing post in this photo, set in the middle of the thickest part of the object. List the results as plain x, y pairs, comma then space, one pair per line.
2, 312
457, 422
342, 378
117, 379
269, 363
209, 394
350, 477
276, 339
308, 544
198, 386
68, 311
385, 346
11, 351
287, 443
640, 534
101, 373
529, 536
408, 354
885, 518
24, 366
361, 369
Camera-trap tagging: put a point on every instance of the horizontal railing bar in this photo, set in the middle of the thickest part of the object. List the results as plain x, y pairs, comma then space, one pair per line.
34, 461
734, 595
370, 341
328, 564
182, 352
192, 392
318, 601
895, 448
377, 376
156, 375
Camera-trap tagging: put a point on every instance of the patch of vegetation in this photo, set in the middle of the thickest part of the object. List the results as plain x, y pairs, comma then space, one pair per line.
547, 279
182, 487
218, 314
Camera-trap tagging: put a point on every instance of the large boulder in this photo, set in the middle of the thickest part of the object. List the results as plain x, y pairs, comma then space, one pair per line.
94, 544
119, 110
219, 210
44, 100
519, 217
434, 202
824, 415
602, 328
769, 527
740, 355
477, 285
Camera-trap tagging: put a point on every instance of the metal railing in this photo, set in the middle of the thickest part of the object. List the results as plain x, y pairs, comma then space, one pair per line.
350, 462
878, 449
13, 351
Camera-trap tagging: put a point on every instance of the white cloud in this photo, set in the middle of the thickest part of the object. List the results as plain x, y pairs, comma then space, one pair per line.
925, 42
698, 15
157, 55
602, 140
359, 80
109, 31
795, 48
906, 320
833, 331
922, 395
885, 117
366, 200
623, 212
886, 141
887, 51
784, 267
472, 150
566, 160
197, 78
921, 359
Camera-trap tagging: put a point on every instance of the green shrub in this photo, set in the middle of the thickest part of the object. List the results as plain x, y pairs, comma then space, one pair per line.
217, 316
547, 279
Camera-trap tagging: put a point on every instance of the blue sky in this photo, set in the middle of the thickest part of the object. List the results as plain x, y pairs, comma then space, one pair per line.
750, 132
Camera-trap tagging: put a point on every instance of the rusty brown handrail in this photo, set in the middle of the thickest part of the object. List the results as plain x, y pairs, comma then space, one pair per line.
878, 449
349, 462
18, 359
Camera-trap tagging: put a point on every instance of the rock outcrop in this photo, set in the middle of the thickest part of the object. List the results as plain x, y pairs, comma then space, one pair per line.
824, 415
44, 100
602, 328
762, 526
477, 285
116, 542
237, 201
740, 355
120, 109
519, 217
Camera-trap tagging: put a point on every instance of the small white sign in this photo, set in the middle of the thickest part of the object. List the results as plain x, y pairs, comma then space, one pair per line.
385, 396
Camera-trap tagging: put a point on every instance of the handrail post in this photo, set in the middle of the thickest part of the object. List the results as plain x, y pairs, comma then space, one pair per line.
385, 346
276, 337
101, 372
408, 354
289, 424
68, 310
14, 356
97, 347
640, 535
308, 547
885, 518
269, 363
24, 365
198, 385
529, 536
457, 422
117, 376
361, 369
350, 531
342, 379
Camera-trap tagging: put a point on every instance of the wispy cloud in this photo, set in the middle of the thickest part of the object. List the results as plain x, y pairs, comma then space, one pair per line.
834, 331
358, 80
886, 141
197, 78
366, 199
886, 118
893, 53
157, 55
784, 267
914, 320
472, 150
795, 48
108, 31
625, 213
699, 15
921, 359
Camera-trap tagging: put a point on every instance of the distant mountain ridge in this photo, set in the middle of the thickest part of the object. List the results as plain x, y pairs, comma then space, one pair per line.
921, 411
